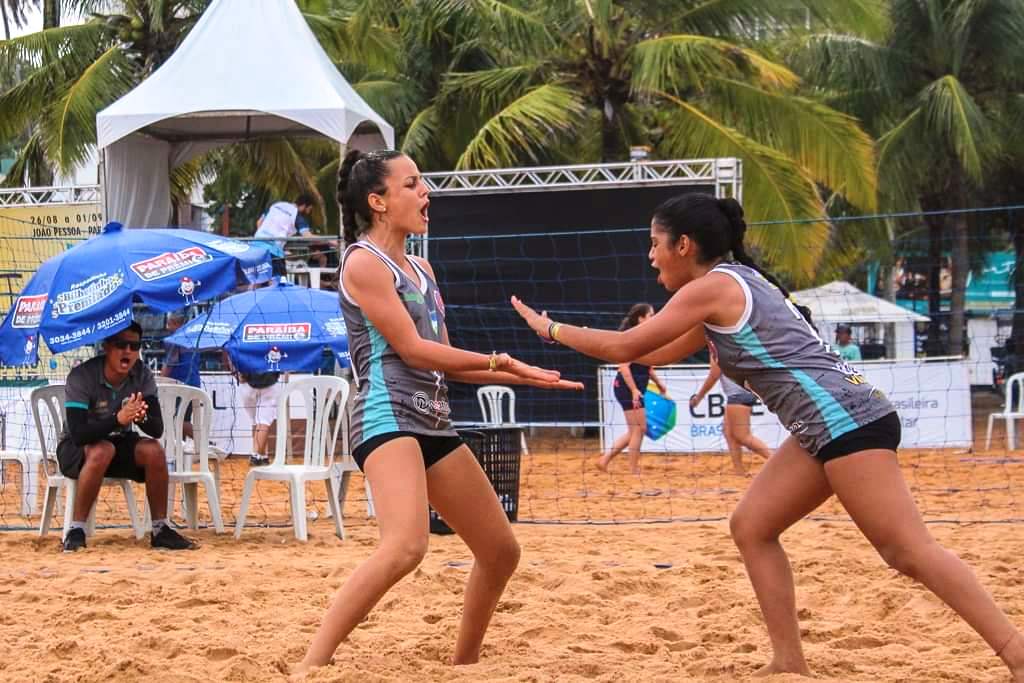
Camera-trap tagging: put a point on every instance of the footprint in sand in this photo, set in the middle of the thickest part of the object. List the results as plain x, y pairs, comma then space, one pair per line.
220, 654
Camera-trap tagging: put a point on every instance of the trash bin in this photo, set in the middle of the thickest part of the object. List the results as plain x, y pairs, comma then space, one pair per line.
498, 449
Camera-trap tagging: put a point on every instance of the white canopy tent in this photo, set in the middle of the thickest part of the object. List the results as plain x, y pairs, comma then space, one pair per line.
249, 69
841, 302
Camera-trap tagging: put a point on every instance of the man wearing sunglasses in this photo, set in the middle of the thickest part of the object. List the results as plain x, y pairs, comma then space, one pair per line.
105, 396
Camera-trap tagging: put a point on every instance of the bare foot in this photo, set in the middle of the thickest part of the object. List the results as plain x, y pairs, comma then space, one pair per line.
1012, 655
636, 472
739, 471
299, 672
602, 464
772, 668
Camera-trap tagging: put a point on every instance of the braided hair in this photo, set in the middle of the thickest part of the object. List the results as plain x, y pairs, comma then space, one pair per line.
718, 227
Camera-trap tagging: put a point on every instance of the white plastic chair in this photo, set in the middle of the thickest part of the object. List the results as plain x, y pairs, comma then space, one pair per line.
51, 400
492, 399
189, 467
1012, 410
321, 396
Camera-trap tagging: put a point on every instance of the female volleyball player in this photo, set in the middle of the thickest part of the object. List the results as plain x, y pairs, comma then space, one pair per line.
739, 403
844, 432
400, 428
628, 387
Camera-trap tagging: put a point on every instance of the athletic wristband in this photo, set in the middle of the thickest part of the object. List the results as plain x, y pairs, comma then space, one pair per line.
492, 364
553, 331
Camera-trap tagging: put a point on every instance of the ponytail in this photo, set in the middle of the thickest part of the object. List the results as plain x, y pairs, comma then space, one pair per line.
738, 230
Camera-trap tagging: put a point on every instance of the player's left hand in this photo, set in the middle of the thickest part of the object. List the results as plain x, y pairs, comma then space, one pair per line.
538, 322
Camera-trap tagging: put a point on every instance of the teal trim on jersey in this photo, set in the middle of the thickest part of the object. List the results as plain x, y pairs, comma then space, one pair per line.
837, 420
378, 415
76, 404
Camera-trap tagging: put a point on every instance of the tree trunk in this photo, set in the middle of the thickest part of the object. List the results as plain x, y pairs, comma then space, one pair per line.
7, 25
934, 346
51, 14
225, 220
961, 266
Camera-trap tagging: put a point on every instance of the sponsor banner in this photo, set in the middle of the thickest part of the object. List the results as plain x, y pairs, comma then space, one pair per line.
259, 333
28, 311
212, 327
933, 400
28, 236
170, 263
86, 294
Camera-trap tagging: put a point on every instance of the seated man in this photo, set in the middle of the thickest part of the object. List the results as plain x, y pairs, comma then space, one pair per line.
105, 396
844, 346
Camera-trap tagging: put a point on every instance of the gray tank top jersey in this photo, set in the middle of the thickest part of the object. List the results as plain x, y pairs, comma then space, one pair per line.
390, 395
775, 353
734, 392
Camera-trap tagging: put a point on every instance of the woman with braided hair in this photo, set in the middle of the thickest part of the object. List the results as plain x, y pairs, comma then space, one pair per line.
400, 428
844, 431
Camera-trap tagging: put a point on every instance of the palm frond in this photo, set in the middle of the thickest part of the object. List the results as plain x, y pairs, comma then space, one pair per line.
421, 138
523, 128
27, 99
395, 100
749, 17
520, 30
30, 167
955, 118
677, 62
74, 46
847, 63
776, 188
830, 145
487, 89
72, 126
901, 165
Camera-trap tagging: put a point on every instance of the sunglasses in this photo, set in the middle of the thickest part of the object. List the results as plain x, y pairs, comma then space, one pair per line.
124, 344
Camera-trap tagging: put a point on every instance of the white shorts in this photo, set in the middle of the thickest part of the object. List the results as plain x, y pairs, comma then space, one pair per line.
260, 404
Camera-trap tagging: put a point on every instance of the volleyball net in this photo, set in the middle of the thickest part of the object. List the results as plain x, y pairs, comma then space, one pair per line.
893, 281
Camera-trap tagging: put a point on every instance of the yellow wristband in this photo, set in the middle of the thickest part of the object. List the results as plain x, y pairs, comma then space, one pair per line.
493, 363
553, 331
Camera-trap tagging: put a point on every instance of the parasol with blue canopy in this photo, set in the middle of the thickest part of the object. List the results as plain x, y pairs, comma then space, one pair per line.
86, 294
278, 328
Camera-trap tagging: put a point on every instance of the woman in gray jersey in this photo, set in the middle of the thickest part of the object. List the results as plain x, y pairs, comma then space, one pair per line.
739, 404
844, 432
400, 428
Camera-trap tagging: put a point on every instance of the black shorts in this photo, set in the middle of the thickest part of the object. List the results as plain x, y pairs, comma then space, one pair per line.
278, 266
884, 433
434, 448
748, 400
71, 457
625, 398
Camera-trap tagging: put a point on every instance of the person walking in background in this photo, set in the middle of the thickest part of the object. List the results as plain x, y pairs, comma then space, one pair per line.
628, 387
739, 404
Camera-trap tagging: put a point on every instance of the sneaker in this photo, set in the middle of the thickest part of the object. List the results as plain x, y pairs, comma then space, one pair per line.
75, 540
259, 460
169, 539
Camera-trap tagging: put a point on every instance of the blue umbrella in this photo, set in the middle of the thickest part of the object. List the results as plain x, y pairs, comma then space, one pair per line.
282, 327
85, 294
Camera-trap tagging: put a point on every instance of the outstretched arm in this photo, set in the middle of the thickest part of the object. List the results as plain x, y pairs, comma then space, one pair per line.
673, 333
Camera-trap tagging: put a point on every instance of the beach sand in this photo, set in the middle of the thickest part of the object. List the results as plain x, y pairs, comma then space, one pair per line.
607, 602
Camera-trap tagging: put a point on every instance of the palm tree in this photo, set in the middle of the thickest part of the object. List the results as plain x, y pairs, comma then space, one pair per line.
503, 83
942, 93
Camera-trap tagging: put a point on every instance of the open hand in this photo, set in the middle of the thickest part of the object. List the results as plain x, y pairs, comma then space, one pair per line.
539, 322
